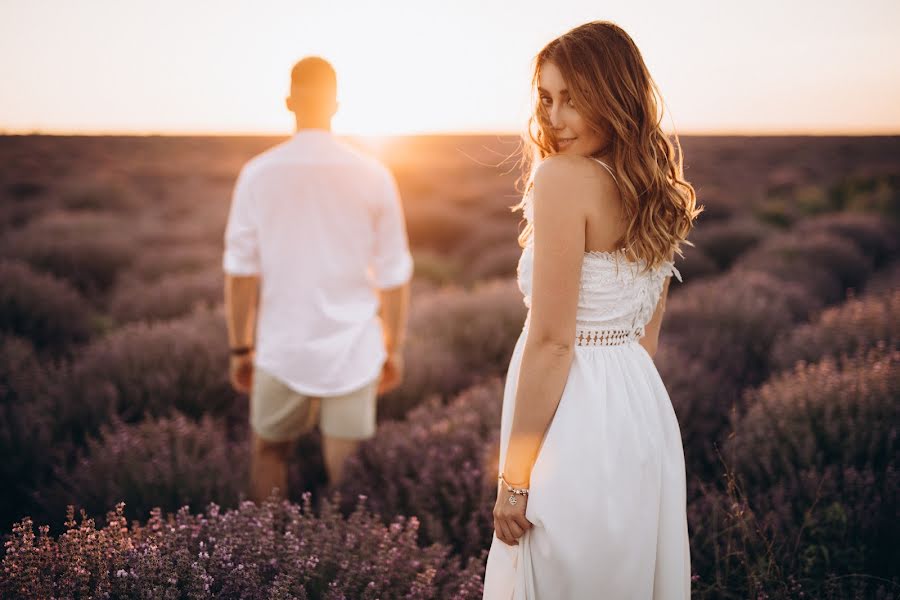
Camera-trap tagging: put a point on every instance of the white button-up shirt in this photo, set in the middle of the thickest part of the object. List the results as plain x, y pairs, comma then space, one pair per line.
322, 225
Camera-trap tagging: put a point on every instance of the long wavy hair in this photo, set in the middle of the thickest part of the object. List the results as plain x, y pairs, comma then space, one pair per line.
613, 92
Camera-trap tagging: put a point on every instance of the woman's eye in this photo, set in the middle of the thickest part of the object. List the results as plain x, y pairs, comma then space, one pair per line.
546, 101
570, 103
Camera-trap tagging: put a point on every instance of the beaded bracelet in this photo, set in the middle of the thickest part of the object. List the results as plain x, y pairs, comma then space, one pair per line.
511, 489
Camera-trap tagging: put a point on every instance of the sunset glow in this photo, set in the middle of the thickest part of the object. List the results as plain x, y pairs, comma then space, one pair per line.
408, 67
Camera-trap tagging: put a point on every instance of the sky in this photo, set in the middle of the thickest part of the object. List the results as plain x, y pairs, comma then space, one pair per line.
424, 66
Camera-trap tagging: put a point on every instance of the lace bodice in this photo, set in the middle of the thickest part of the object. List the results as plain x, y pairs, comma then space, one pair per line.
614, 293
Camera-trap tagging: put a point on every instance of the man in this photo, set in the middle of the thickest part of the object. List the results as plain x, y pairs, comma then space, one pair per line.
315, 244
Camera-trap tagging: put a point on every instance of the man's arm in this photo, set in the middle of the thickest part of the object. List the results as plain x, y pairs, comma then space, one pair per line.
393, 313
241, 309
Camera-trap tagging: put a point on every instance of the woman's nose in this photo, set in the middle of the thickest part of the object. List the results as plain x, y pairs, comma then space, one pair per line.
555, 121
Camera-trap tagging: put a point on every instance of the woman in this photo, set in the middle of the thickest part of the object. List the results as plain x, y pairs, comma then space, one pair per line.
591, 496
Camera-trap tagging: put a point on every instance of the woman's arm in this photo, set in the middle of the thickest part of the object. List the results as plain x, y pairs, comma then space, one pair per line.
563, 187
650, 340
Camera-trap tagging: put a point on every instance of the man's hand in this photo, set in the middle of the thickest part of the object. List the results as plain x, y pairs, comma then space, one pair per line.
241, 373
391, 372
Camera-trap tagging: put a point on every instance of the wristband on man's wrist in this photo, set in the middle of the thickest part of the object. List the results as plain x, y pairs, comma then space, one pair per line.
240, 350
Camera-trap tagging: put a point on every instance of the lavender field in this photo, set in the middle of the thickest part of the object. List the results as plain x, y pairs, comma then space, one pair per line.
125, 450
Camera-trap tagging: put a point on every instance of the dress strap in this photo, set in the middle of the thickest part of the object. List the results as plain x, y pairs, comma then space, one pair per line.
606, 166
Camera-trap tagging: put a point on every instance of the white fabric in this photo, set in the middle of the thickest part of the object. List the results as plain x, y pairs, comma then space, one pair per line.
608, 493
323, 227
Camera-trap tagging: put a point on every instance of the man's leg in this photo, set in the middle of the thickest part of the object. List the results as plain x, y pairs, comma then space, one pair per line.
346, 421
276, 413
268, 467
336, 451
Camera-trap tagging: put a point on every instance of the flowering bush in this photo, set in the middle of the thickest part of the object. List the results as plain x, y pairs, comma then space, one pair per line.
436, 225
86, 250
814, 278
817, 453
834, 520
702, 398
725, 241
94, 195
821, 262
855, 325
162, 260
836, 412
24, 190
498, 261
733, 335
21, 373
167, 462
147, 368
58, 223
811, 538
455, 338
879, 194
24, 430
46, 310
490, 233
875, 236
434, 466
20, 201
695, 265
167, 298
885, 280
480, 326
434, 268
720, 204
432, 370
277, 550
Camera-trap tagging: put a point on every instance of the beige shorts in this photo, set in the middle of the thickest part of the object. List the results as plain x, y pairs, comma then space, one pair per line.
279, 413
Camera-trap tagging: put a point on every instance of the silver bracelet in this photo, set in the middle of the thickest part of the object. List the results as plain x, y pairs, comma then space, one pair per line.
512, 490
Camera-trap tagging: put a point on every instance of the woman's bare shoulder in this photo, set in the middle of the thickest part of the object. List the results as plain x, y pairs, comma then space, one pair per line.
573, 178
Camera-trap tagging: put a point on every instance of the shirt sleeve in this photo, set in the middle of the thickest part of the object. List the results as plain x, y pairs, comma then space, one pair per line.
392, 263
241, 256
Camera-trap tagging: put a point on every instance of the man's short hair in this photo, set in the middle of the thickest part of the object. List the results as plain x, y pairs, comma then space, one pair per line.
313, 76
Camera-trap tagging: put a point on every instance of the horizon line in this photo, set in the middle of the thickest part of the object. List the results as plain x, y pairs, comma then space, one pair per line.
700, 132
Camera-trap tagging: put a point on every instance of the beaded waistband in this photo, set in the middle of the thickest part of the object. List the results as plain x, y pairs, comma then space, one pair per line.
591, 336
606, 337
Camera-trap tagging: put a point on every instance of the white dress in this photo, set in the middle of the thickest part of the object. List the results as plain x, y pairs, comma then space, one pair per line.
607, 491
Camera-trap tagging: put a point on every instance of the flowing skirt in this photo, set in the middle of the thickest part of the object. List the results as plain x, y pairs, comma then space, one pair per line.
607, 493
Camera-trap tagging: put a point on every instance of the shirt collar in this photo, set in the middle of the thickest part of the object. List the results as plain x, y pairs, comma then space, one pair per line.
307, 135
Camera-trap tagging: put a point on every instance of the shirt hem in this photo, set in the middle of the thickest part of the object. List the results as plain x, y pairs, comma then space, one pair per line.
240, 270
385, 283
307, 390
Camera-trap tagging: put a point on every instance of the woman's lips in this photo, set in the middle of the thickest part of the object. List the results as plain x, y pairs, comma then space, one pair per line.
565, 142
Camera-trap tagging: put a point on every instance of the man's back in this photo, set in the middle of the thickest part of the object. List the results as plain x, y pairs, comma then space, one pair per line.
322, 225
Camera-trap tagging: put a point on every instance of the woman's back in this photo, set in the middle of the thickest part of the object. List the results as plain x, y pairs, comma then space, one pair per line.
606, 219
617, 297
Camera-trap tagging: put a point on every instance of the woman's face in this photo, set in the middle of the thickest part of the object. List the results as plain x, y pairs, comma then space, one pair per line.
570, 133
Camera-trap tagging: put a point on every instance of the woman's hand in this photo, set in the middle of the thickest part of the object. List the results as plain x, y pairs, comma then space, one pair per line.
241, 373
509, 519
